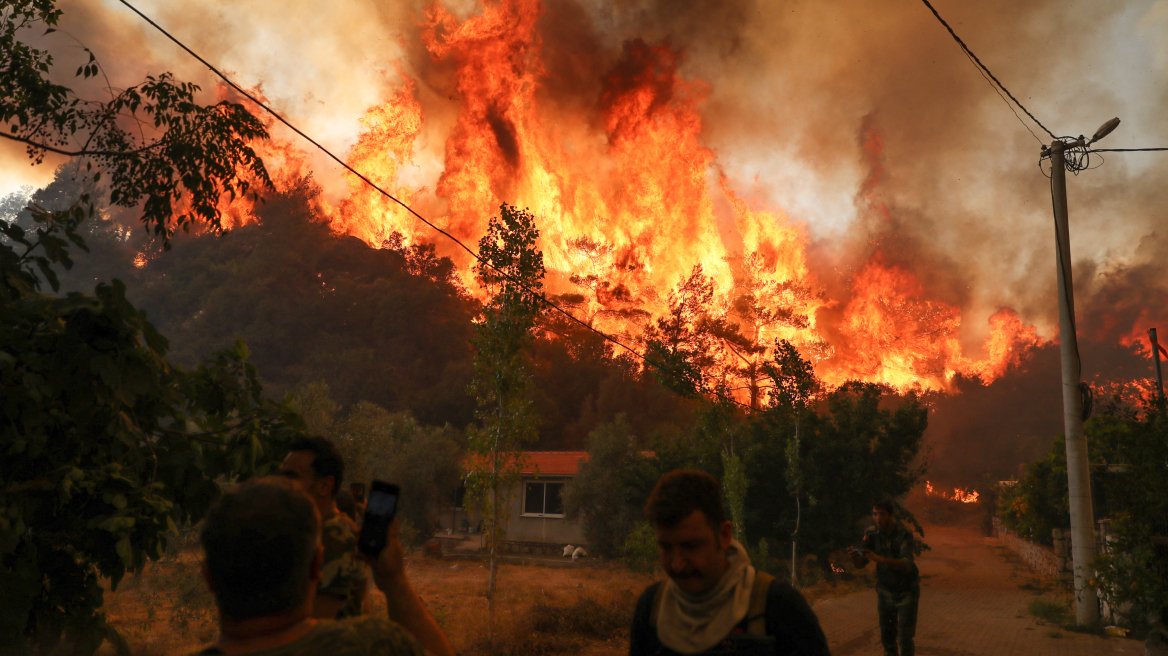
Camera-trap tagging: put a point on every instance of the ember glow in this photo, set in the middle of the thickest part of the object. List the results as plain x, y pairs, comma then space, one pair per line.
959, 494
631, 205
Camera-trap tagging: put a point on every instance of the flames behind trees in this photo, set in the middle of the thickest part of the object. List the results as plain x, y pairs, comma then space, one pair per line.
634, 210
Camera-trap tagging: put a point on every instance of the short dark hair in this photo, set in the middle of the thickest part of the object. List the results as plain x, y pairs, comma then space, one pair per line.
679, 493
326, 460
260, 539
887, 505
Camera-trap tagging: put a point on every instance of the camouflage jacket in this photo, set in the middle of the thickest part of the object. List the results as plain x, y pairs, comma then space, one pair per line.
343, 574
357, 636
899, 545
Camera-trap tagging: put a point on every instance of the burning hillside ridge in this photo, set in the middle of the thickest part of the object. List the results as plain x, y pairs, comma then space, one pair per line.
636, 214
639, 220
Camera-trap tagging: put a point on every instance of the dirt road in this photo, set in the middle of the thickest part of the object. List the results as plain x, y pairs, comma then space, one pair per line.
971, 605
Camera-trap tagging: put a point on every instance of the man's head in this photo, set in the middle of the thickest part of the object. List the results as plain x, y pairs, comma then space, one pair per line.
262, 545
689, 520
884, 514
316, 467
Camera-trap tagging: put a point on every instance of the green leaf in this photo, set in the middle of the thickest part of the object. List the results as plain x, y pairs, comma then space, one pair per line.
125, 552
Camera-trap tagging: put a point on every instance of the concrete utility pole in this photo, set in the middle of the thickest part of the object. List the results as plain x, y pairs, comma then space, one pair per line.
1156, 358
1078, 470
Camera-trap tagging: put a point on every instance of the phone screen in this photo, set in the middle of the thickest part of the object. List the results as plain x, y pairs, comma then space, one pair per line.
379, 514
382, 503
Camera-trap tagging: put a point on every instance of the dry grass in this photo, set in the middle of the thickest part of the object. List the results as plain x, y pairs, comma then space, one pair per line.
164, 610
539, 610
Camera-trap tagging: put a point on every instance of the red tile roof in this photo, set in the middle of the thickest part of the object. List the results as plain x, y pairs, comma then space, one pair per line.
550, 463
554, 463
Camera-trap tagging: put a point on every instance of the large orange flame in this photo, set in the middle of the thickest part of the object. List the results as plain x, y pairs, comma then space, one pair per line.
629, 201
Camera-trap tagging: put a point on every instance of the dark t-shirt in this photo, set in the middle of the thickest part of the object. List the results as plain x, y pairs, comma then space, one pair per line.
357, 636
898, 545
788, 619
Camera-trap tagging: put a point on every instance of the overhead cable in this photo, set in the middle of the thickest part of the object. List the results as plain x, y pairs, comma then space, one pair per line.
987, 71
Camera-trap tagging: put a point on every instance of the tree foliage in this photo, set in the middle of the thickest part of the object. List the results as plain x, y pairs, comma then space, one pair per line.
159, 148
608, 493
1133, 569
107, 446
391, 446
511, 269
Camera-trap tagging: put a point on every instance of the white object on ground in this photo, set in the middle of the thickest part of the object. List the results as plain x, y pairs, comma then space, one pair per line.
568, 550
579, 553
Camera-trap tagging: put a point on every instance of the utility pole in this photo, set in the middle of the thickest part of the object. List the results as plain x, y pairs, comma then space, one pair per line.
1078, 470
1156, 348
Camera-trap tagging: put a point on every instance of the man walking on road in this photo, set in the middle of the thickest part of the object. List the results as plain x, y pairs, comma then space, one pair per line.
898, 583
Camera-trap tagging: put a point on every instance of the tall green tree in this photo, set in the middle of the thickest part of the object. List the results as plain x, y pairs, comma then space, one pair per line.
107, 446
511, 270
793, 384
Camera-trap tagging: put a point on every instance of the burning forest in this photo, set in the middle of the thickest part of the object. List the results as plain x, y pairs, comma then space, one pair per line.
638, 220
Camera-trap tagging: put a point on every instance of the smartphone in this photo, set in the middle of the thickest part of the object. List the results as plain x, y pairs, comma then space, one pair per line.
378, 515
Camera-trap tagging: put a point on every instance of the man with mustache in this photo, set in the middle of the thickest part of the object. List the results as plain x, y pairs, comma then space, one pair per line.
714, 601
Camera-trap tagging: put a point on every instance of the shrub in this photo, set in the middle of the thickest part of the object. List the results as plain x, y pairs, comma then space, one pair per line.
640, 548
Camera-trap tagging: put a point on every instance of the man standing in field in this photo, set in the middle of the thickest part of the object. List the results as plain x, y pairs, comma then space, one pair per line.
316, 467
898, 583
714, 601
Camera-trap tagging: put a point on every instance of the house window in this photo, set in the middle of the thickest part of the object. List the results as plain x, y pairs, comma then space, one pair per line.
543, 499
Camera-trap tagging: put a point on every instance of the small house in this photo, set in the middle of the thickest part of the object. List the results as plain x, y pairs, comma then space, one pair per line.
536, 522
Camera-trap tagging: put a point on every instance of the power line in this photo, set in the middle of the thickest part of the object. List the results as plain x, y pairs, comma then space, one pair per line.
409, 209
1008, 105
1124, 150
982, 67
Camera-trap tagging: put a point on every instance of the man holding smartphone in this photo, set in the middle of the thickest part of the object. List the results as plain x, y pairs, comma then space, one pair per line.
262, 561
898, 583
317, 468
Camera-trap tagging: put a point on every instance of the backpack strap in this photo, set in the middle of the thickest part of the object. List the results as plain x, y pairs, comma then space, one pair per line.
756, 616
655, 608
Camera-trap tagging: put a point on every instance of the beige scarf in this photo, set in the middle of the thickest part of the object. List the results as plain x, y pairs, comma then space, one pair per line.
692, 624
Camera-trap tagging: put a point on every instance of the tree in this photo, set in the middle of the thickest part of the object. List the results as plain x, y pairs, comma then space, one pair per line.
793, 385
853, 450
608, 493
179, 158
1132, 493
762, 306
511, 269
392, 446
680, 346
107, 445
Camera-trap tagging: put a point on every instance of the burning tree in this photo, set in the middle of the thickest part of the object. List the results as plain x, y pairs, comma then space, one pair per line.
511, 269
